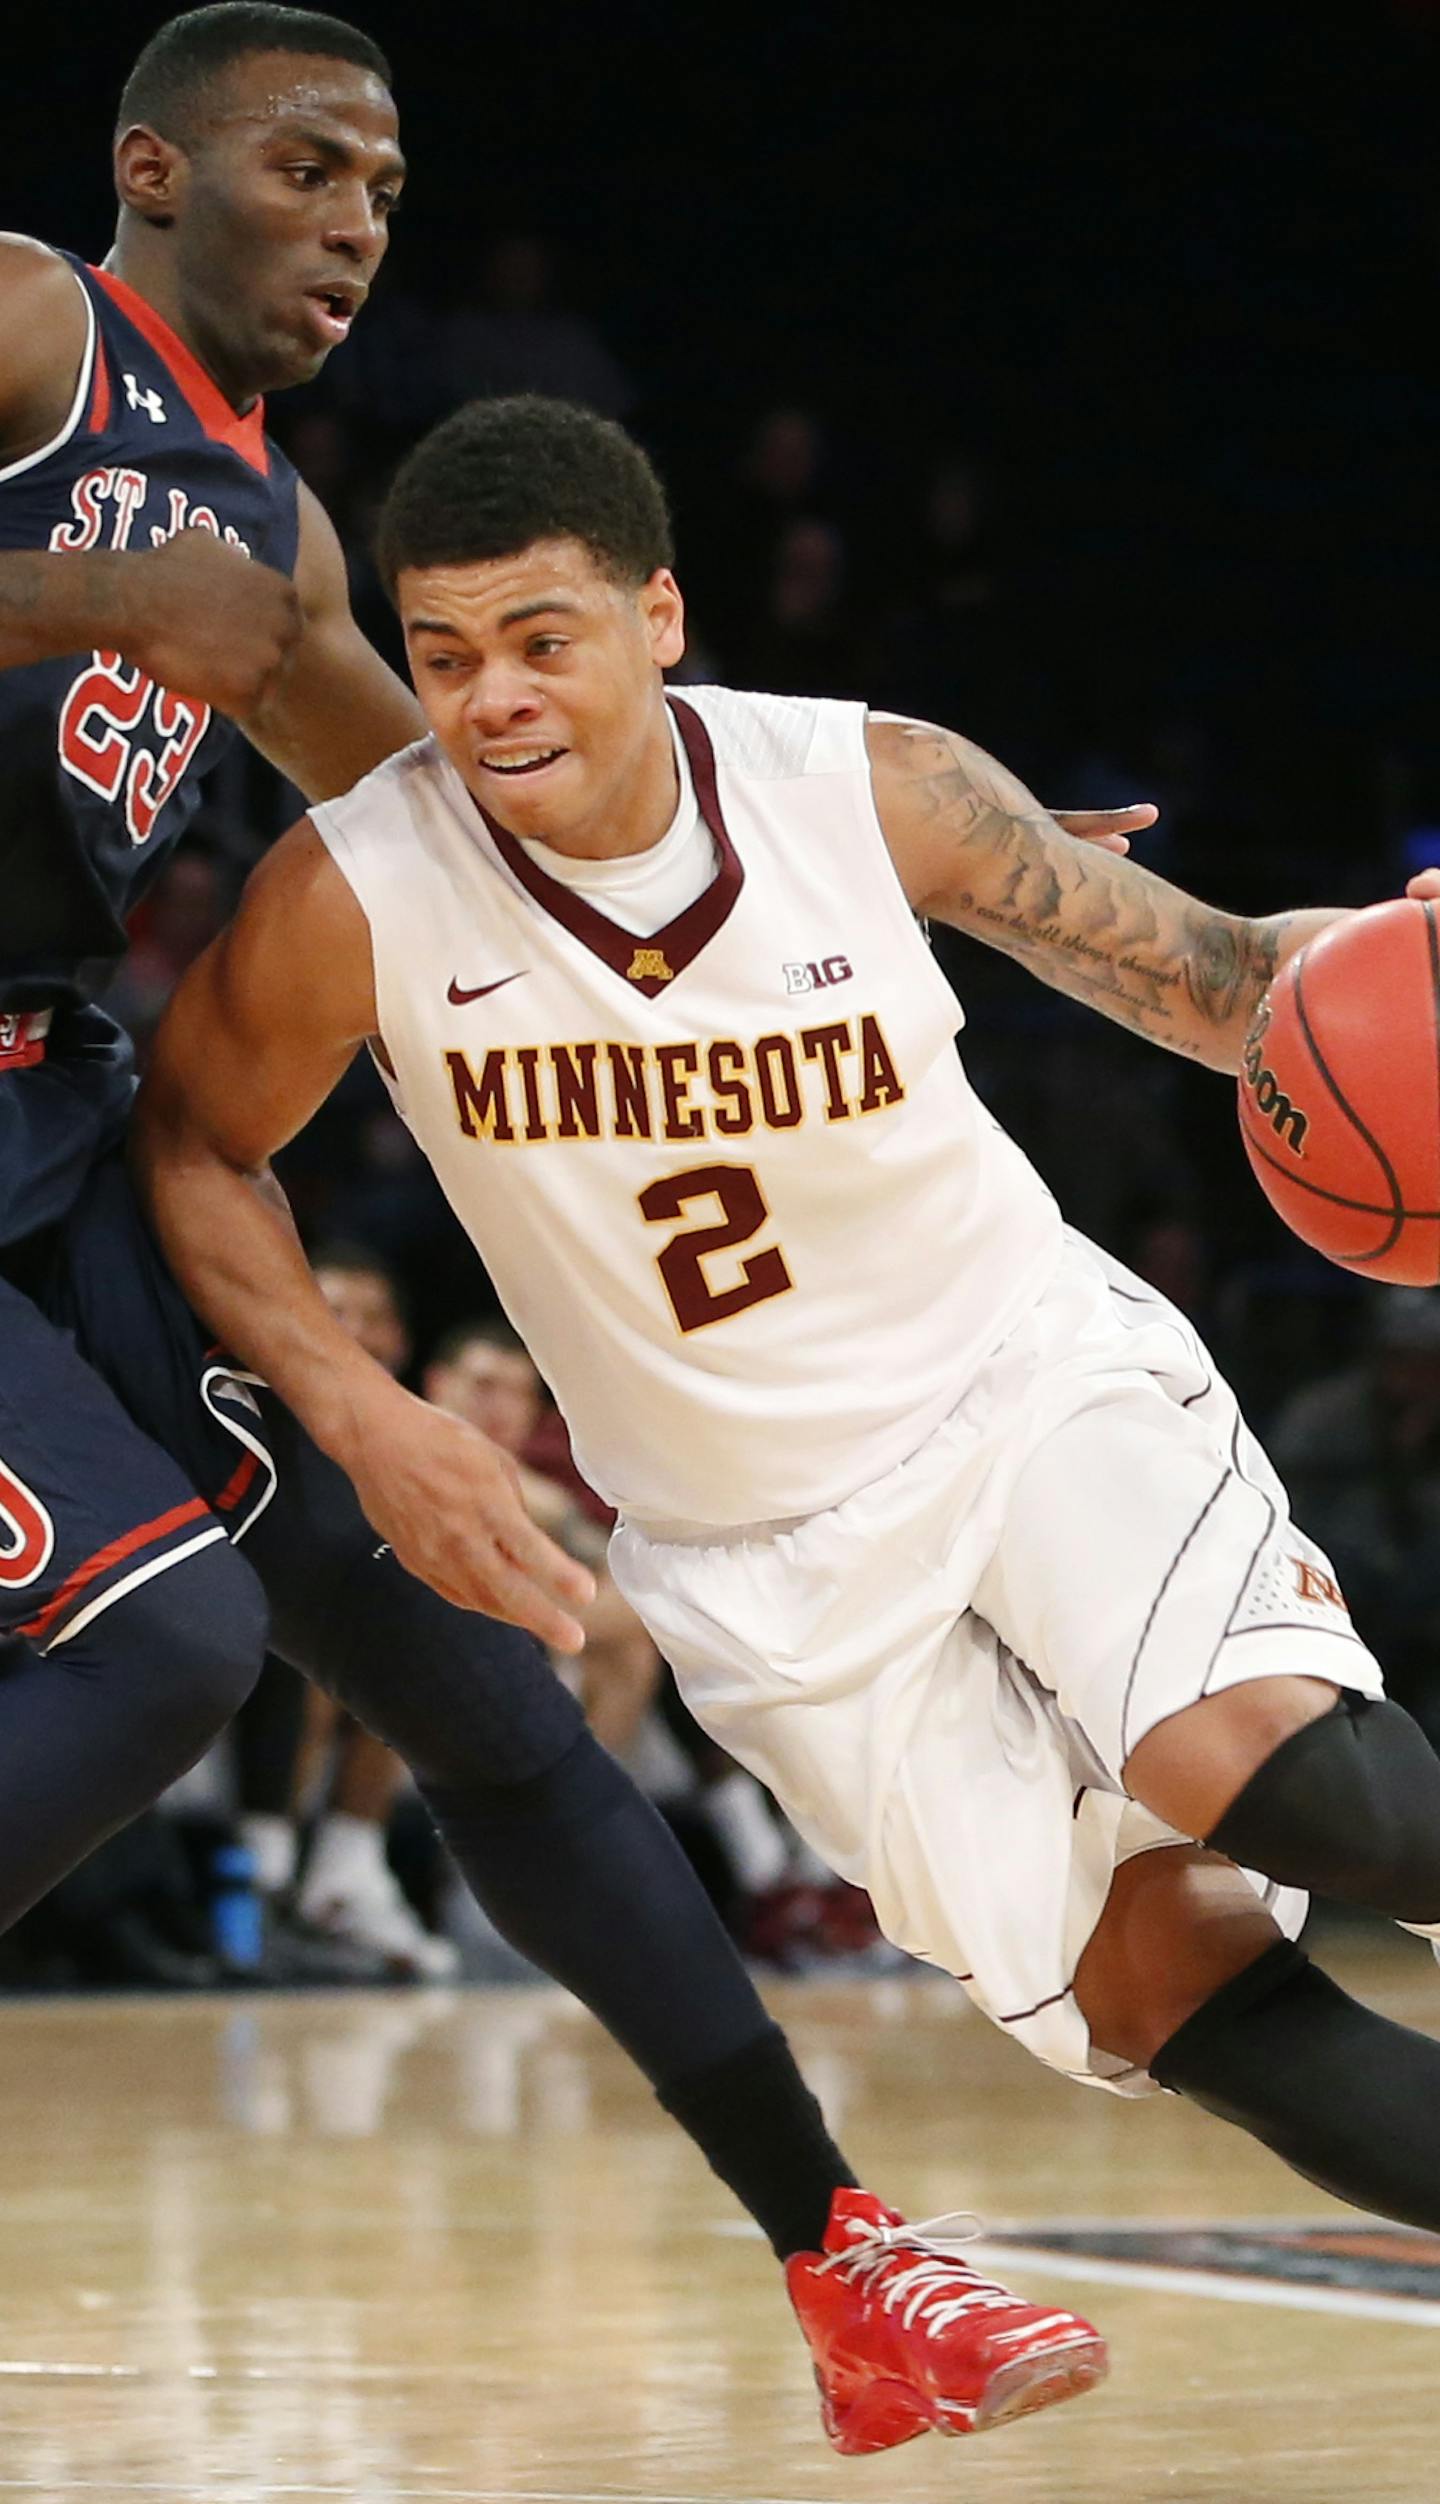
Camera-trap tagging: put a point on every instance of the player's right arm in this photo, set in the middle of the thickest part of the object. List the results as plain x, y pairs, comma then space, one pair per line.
973, 848
195, 615
258, 1034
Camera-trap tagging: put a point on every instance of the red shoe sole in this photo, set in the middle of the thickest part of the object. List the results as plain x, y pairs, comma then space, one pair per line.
885, 2414
1034, 2382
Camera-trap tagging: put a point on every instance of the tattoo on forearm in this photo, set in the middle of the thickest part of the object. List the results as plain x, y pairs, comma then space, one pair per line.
1103, 930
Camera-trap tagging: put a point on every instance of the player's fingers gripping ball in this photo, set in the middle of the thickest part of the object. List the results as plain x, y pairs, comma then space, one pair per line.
1340, 1093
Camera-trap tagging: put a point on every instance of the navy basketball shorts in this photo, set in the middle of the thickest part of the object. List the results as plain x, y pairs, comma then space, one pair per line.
105, 1483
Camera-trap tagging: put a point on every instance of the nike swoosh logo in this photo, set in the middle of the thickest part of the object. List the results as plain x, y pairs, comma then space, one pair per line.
460, 999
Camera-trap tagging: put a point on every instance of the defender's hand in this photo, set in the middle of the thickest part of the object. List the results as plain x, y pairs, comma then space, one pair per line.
207, 622
1424, 886
448, 1502
1110, 828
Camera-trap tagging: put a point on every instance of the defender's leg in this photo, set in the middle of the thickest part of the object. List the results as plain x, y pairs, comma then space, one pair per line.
134, 1630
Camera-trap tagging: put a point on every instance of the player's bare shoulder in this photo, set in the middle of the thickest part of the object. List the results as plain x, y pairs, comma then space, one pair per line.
44, 327
946, 808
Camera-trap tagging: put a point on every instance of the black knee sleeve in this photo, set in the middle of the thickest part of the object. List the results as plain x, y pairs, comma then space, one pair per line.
1344, 2096
1349, 1807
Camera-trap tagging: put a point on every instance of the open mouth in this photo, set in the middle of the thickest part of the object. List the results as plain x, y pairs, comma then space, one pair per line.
334, 310
513, 763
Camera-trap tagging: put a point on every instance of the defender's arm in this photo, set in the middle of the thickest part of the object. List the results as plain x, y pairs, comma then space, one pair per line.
48, 605
337, 710
973, 848
258, 1033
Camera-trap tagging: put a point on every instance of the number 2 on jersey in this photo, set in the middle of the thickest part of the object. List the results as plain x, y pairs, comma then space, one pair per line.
693, 1300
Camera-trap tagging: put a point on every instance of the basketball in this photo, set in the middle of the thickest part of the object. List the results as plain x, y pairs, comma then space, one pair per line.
1340, 1093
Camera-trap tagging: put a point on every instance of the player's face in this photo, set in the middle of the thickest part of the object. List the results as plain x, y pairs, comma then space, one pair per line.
361, 1299
496, 1389
541, 679
282, 217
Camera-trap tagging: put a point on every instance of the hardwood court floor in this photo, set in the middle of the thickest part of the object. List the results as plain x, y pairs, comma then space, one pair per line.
444, 2247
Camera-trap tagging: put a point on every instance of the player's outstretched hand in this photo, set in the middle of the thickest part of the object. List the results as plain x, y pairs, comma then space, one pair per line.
1110, 828
448, 1502
205, 621
1424, 886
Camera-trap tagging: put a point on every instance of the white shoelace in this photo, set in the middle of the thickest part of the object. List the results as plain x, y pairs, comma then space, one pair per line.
928, 2286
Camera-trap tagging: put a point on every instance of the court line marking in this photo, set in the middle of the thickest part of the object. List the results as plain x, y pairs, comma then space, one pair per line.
225, 2491
1223, 2288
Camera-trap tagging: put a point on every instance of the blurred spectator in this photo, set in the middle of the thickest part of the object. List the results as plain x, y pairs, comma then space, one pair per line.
948, 646
802, 637
179, 917
348, 1889
481, 1372
733, 535
1360, 1453
510, 334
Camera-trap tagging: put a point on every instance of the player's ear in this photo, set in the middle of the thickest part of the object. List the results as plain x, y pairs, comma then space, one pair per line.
664, 617
150, 174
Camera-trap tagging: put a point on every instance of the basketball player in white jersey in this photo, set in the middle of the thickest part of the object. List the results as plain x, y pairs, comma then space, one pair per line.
947, 1524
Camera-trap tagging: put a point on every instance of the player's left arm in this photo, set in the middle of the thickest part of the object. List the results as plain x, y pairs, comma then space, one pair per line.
337, 710
973, 848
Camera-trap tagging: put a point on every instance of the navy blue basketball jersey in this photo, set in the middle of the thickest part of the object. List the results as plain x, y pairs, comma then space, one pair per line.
100, 769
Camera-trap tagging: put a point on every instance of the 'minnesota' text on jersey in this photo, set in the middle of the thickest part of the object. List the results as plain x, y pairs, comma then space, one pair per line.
687, 1159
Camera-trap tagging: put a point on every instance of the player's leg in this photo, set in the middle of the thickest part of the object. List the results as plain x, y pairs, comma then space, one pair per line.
132, 1631
569, 1861
578, 1871
1147, 1571
1187, 1977
1338, 1793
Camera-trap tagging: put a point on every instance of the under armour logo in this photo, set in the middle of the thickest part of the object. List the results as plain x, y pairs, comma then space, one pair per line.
149, 401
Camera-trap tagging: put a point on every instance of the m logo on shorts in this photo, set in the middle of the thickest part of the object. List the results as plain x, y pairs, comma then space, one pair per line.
1313, 1585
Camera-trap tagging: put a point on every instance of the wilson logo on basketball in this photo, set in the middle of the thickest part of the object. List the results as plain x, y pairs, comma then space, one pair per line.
1271, 1102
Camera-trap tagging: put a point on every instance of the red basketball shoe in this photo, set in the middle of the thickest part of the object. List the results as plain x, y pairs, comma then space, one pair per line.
905, 2336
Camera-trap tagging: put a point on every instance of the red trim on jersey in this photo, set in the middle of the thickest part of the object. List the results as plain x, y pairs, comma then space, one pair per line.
144, 1535
245, 435
98, 414
236, 1485
679, 942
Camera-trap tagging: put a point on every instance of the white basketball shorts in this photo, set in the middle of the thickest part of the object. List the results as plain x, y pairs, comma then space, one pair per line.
941, 1678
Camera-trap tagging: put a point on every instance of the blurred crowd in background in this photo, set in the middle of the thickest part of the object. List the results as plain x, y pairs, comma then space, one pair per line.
1088, 408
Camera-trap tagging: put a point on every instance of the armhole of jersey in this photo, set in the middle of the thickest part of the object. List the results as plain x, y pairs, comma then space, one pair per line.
31, 460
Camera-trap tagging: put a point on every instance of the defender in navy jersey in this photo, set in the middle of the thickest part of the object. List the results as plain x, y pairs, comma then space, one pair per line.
164, 580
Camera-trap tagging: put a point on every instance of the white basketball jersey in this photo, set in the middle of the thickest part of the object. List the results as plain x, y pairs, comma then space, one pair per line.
730, 1181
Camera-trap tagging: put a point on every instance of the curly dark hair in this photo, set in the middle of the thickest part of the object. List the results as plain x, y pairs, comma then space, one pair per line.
501, 474
170, 86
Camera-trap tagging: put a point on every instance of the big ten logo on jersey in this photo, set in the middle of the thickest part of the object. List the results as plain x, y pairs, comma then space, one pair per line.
817, 976
112, 705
